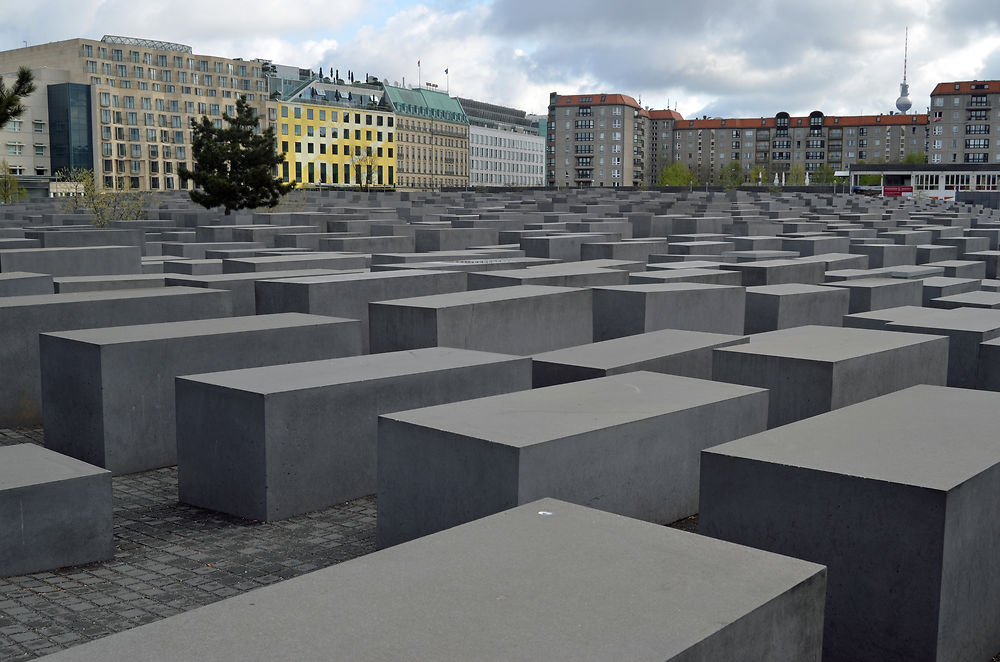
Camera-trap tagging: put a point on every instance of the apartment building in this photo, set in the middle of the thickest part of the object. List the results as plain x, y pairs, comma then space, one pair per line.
965, 122
141, 95
432, 138
772, 145
661, 141
504, 146
596, 140
336, 135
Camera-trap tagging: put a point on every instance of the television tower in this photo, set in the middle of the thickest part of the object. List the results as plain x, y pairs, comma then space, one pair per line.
903, 103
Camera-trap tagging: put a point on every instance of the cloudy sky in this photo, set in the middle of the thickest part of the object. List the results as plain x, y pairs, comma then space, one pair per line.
709, 57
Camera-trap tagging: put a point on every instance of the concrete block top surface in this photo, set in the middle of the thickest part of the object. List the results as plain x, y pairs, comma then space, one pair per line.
895, 314
210, 279
826, 343
668, 287
525, 418
976, 320
331, 372
508, 587
117, 335
370, 275
633, 349
788, 288
98, 295
24, 465
934, 437
481, 296
14, 275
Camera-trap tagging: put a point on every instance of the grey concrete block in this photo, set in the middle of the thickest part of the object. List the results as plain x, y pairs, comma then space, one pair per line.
627, 444
24, 283
942, 286
773, 307
193, 250
269, 443
289, 262
814, 369
450, 238
897, 497
961, 268
934, 253
242, 286
108, 393
69, 284
671, 351
522, 319
23, 318
990, 258
205, 267
713, 276
565, 247
778, 272
630, 309
988, 367
85, 261
568, 274
348, 295
515, 572
54, 511
965, 328
976, 299
886, 255
869, 294
808, 246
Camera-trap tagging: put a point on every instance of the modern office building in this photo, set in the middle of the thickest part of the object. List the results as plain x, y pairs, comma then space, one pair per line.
504, 147
965, 122
596, 140
432, 138
141, 95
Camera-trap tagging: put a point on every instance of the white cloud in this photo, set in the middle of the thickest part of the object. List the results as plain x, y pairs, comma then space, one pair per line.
711, 57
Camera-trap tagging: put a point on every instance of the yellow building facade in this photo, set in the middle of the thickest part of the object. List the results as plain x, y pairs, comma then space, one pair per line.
328, 145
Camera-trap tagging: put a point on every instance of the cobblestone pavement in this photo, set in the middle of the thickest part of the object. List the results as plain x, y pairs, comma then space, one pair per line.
169, 558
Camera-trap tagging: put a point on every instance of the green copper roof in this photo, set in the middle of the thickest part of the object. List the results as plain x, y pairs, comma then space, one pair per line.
428, 104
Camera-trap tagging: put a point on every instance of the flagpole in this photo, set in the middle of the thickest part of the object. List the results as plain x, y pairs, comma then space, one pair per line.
419, 84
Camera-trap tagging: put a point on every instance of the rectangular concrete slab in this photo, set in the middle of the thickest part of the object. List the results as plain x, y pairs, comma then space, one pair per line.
773, 307
631, 309
348, 295
23, 318
55, 511
627, 444
463, 594
108, 393
671, 351
813, 369
897, 496
522, 319
268, 443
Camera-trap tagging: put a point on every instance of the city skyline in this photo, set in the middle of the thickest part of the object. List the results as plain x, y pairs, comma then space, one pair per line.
710, 58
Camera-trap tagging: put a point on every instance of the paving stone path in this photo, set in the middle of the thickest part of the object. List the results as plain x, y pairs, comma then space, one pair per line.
169, 558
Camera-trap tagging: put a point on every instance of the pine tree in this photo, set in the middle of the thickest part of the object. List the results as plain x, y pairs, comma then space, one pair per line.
233, 164
10, 99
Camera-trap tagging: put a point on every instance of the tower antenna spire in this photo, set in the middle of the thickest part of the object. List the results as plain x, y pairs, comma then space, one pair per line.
903, 103
906, 48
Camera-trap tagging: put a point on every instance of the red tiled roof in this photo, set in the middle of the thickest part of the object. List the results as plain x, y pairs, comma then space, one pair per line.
597, 100
665, 115
965, 87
